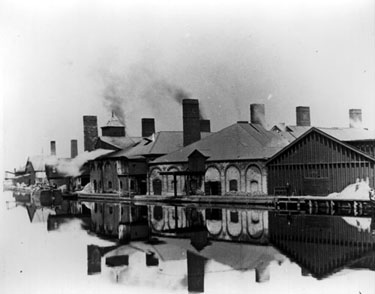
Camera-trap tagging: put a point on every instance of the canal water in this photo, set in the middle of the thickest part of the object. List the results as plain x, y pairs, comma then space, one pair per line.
113, 247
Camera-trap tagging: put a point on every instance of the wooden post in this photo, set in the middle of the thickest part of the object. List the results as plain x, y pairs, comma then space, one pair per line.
175, 185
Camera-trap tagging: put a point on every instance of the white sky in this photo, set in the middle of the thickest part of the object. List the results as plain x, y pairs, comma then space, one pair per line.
57, 57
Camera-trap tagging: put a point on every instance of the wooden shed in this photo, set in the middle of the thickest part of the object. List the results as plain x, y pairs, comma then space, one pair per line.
317, 164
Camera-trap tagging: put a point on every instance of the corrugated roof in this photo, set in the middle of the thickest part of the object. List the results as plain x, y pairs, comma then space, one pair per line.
120, 142
237, 142
158, 144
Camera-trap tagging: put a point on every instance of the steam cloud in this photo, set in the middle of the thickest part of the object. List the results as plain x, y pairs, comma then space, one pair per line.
73, 167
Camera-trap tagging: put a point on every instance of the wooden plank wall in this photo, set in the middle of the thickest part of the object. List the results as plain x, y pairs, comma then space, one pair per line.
317, 156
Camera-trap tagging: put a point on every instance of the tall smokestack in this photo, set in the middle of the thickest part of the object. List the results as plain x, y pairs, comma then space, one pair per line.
205, 125
262, 273
257, 114
73, 148
90, 131
53, 148
148, 127
355, 118
191, 122
195, 272
303, 116
94, 259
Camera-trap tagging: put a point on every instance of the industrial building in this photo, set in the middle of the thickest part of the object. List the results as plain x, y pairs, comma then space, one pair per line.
125, 171
323, 160
228, 162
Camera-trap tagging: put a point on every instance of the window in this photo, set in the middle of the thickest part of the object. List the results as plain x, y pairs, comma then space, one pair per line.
110, 209
158, 213
234, 217
109, 185
214, 214
233, 185
121, 185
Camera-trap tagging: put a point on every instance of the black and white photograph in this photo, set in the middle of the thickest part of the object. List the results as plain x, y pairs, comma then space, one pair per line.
186, 146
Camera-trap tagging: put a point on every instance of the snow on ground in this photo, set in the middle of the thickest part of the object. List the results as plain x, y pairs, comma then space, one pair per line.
359, 191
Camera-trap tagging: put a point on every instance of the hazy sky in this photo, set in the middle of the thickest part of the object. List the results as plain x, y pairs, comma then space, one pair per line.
59, 59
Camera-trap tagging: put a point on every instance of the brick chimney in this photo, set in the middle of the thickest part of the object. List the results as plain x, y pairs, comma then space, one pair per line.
205, 125
355, 118
73, 148
195, 272
191, 122
53, 148
303, 116
257, 114
148, 127
90, 131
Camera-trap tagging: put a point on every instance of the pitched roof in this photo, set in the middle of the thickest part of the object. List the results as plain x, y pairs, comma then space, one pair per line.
38, 162
350, 134
238, 256
342, 134
326, 134
120, 142
158, 144
114, 122
239, 141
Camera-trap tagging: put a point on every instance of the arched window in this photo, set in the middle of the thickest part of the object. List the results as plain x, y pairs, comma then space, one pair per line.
158, 213
234, 217
254, 180
212, 185
254, 186
233, 185
232, 179
156, 185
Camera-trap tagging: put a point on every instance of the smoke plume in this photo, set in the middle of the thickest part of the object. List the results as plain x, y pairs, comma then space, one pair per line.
114, 98
139, 88
72, 167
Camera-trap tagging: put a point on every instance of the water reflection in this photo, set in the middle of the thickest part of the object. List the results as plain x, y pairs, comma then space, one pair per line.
178, 246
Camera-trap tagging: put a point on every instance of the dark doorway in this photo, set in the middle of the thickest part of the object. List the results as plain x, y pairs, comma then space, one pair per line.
156, 185
213, 188
143, 187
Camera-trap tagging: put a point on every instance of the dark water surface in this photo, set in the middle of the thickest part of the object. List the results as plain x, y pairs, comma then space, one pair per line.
97, 247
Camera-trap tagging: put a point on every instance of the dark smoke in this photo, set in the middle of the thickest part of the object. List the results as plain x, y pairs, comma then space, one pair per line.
141, 86
114, 98
180, 95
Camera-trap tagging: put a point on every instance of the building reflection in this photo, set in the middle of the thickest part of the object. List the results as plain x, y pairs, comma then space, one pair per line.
246, 240
324, 245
